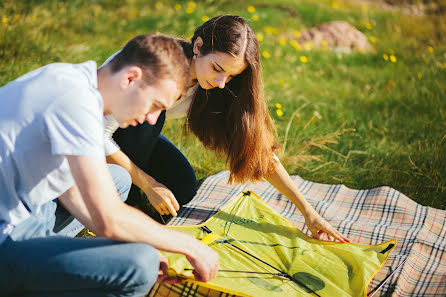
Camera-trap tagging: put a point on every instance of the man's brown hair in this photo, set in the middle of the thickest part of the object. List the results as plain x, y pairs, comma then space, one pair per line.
160, 56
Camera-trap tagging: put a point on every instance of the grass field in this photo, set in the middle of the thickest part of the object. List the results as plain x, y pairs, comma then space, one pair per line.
363, 120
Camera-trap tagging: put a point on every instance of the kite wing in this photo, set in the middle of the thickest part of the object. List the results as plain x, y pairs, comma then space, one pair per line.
262, 254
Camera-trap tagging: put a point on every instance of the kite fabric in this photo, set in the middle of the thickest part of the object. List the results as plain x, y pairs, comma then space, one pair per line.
262, 254
366, 216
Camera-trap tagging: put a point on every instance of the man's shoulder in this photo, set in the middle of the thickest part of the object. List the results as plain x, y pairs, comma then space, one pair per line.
66, 74
73, 83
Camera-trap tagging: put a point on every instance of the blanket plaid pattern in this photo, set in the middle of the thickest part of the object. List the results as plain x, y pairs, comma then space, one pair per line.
365, 216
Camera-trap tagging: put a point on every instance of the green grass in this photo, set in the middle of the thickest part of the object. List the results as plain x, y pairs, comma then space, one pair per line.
355, 118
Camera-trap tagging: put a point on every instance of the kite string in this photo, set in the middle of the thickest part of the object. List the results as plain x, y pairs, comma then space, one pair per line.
238, 204
281, 272
225, 240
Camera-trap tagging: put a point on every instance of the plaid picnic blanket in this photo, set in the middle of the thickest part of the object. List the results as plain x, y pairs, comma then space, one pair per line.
365, 216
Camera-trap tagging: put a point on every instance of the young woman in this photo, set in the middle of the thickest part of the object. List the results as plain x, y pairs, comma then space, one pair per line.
225, 108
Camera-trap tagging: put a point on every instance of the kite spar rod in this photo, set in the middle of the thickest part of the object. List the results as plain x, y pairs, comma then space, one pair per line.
281, 273
373, 292
243, 271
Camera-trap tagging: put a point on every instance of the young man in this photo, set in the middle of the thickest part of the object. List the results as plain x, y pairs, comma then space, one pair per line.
51, 147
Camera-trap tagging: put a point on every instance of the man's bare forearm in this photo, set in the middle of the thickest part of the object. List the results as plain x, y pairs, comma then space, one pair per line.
95, 202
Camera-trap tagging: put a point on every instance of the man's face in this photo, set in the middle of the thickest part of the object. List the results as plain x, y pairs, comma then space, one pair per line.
145, 102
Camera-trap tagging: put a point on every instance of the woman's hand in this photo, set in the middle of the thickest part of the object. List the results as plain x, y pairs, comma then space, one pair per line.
318, 227
162, 199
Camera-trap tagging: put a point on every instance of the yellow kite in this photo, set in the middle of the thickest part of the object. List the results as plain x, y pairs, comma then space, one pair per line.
262, 254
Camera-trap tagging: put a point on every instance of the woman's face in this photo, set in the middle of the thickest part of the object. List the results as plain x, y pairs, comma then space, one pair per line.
216, 69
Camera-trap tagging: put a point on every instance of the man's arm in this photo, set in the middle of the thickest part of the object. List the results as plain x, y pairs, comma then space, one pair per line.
159, 195
94, 201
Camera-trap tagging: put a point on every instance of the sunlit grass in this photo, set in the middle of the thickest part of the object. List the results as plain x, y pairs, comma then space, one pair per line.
364, 120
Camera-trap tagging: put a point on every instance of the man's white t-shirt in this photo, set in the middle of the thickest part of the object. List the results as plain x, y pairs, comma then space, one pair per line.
45, 114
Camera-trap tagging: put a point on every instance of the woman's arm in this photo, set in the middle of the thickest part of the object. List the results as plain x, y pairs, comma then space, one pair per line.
159, 195
281, 180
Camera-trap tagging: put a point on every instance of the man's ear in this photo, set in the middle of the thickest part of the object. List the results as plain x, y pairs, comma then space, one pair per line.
130, 76
197, 45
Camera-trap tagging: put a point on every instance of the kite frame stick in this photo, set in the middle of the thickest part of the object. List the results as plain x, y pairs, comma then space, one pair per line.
373, 292
243, 271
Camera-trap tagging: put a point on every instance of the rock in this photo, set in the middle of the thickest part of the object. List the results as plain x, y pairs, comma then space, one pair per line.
338, 36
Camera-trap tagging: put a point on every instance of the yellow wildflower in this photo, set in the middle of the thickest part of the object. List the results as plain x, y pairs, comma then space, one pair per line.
177, 6
392, 59
386, 57
251, 9
303, 59
259, 37
372, 39
308, 46
278, 105
279, 112
295, 44
191, 4
270, 30
335, 4
5, 20
189, 10
255, 18
368, 26
204, 19
266, 54
430, 49
444, 65
297, 33
420, 75
34, 18
282, 41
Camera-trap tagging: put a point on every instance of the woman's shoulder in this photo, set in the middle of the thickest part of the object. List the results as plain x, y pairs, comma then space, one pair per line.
181, 107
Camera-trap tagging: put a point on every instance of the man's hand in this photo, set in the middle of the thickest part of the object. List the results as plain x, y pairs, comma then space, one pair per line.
162, 199
205, 261
163, 276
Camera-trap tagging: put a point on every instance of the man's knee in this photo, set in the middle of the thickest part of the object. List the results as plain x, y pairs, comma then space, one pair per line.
144, 261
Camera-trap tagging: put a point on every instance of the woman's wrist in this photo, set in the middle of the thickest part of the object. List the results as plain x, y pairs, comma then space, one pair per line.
146, 182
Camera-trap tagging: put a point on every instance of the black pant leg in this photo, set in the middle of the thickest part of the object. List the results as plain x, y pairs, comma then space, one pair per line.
157, 156
170, 167
138, 142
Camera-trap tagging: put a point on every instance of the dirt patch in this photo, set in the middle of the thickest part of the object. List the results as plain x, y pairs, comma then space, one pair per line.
337, 36
411, 7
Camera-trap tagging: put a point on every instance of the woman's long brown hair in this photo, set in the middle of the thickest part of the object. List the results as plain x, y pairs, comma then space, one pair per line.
234, 121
